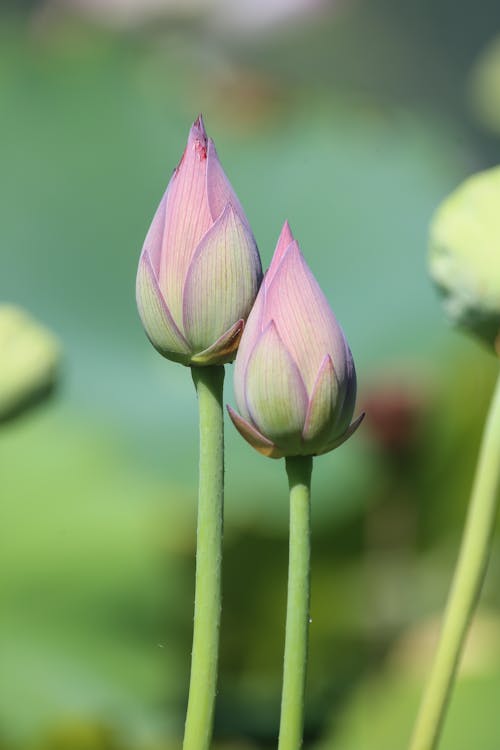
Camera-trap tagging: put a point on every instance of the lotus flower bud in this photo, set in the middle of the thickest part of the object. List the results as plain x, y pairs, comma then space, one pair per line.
199, 269
29, 357
294, 379
465, 255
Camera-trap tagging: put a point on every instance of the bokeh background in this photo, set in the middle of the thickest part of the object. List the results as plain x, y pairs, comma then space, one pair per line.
352, 119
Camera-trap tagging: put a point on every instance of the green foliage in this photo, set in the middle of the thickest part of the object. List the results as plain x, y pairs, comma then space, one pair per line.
29, 356
484, 86
88, 622
380, 713
464, 252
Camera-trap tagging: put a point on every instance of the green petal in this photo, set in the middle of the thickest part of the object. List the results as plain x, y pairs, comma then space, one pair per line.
322, 404
222, 281
275, 392
345, 436
155, 315
224, 349
253, 436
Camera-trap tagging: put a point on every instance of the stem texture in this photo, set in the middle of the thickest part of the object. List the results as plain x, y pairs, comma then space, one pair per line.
299, 470
466, 585
209, 382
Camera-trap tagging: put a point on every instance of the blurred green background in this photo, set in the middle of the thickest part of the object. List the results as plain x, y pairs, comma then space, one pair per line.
353, 120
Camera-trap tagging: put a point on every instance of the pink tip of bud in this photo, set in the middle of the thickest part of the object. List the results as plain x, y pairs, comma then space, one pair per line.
285, 240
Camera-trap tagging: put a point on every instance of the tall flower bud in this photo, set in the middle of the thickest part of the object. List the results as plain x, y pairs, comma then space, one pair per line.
294, 379
199, 269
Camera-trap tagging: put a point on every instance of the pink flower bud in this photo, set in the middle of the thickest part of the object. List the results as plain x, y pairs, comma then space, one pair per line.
199, 269
294, 379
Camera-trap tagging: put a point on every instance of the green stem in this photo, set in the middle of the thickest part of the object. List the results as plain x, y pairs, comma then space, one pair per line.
299, 470
209, 382
466, 586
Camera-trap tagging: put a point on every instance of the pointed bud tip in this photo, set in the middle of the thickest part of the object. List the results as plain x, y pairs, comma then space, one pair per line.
199, 124
198, 137
287, 231
285, 240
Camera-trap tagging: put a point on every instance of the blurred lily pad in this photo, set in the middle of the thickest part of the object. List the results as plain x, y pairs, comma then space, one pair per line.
381, 711
79, 735
484, 86
95, 584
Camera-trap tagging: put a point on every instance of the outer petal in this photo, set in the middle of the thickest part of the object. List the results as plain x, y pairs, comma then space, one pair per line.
284, 241
224, 349
347, 434
155, 315
153, 243
253, 436
345, 409
276, 397
219, 189
322, 404
187, 218
249, 338
222, 281
303, 317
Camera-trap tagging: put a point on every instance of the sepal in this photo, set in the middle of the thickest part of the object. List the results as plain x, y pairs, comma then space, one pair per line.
155, 315
224, 349
254, 437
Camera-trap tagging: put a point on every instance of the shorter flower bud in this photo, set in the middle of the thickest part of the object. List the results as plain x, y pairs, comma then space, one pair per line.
464, 256
294, 378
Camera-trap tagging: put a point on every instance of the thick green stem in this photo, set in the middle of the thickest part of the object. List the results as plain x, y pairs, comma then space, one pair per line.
299, 470
209, 383
466, 586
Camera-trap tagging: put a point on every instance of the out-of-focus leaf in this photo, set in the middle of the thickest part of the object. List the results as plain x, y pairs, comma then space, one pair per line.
484, 86
381, 711
464, 255
29, 360
95, 582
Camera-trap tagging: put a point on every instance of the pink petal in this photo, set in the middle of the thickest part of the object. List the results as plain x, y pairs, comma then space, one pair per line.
249, 338
276, 397
345, 409
187, 218
219, 189
253, 436
154, 239
222, 281
155, 314
322, 404
284, 241
305, 322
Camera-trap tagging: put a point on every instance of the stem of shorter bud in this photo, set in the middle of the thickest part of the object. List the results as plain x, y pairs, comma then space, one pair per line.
466, 585
209, 383
299, 469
